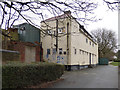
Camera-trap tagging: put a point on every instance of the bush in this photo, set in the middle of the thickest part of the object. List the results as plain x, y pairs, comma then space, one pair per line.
20, 75
116, 60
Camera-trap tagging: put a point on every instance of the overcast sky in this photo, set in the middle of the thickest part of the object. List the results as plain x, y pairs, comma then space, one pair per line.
109, 19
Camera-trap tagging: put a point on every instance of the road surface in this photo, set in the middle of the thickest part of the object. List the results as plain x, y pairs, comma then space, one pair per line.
102, 76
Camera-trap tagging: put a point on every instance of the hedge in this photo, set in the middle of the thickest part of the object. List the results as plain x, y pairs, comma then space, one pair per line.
20, 75
116, 60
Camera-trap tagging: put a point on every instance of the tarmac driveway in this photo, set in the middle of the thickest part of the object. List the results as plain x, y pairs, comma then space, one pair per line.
102, 76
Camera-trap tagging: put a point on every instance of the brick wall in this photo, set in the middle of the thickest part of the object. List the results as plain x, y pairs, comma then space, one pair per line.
37, 53
8, 55
18, 46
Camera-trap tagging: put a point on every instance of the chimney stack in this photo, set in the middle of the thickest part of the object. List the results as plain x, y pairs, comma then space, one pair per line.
68, 12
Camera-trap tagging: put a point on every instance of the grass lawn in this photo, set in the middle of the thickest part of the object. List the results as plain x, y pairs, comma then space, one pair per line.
115, 63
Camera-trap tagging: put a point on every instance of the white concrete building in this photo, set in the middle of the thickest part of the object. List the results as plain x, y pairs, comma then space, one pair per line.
75, 46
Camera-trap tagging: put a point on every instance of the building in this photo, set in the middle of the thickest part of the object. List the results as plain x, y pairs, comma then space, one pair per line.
29, 43
67, 42
28, 33
25, 38
29, 52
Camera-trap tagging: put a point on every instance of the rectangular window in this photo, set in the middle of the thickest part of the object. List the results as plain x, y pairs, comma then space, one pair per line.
54, 33
60, 30
86, 40
54, 50
90, 42
93, 44
48, 51
60, 50
64, 52
75, 51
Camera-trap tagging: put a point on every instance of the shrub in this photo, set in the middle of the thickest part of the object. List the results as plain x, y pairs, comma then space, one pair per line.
20, 75
116, 60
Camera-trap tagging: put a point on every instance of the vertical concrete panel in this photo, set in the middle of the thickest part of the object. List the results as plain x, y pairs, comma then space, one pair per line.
30, 54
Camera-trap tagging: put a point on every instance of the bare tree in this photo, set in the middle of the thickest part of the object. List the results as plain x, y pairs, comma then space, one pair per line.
113, 5
13, 11
107, 42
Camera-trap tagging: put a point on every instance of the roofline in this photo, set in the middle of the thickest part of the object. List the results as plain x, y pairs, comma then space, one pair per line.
85, 31
69, 13
26, 23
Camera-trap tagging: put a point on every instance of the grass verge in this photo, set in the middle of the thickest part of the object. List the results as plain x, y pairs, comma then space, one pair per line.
115, 63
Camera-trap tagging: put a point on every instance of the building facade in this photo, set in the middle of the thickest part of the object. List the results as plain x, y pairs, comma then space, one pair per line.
25, 39
28, 33
65, 41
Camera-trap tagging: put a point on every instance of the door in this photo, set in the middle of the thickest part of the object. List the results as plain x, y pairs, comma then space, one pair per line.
90, 58
29, 54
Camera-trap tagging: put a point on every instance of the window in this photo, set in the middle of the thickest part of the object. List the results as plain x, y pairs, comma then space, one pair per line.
86, 40
64, 52
75, 51
90, 42
54, 50
22, 28
22, 31
54, 33
60, 50
48, 51
60, 30
93, 44
49, 32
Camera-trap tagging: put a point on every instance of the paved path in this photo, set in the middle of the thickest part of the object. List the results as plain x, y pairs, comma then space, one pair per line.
105, 76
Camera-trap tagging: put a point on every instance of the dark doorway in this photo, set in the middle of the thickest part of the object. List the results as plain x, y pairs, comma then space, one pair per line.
90, 58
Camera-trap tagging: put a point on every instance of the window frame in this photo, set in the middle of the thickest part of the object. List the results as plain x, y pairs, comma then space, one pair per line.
48, 51
86, 40
75, 51
60, 51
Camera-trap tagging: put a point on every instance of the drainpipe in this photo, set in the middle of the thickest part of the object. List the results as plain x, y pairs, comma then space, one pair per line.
67, 46
56, 35
56, 38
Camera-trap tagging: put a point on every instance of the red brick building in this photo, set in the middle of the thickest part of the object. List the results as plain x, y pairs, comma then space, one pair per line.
29, 52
